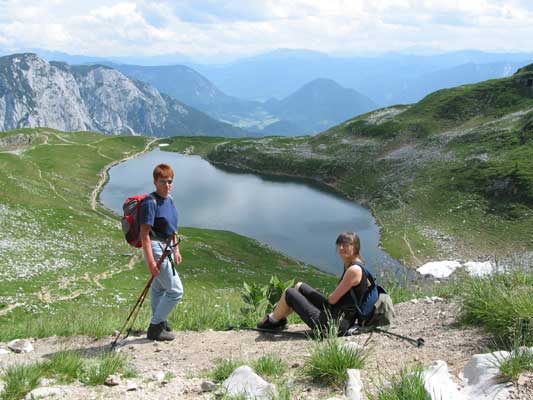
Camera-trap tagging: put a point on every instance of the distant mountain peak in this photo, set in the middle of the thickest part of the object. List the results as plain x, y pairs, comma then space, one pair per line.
93, 97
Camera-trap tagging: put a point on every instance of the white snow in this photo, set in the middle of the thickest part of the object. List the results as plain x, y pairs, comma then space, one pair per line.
443, 269
439, 269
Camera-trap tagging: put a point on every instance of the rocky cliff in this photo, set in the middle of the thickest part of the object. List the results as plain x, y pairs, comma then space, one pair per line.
35, 93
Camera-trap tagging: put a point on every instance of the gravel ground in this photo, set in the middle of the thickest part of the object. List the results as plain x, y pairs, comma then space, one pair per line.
193, 354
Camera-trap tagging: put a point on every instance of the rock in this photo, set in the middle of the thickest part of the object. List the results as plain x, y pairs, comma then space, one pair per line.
115, 333
482, 377
159, 376
439, 384
112, 380
45, 393
244, 381
208, 386
131, 386
354, 385
20, 346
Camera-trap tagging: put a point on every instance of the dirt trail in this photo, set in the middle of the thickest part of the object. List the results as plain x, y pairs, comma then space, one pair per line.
192, 354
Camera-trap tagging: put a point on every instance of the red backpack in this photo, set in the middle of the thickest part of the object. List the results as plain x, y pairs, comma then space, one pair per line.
130, 220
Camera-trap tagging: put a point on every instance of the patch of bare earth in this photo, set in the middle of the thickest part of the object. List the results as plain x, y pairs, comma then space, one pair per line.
193, 354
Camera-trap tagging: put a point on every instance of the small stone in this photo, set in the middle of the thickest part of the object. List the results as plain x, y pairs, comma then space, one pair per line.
131, 386
208, 386
295, 365
20, 346
159, 376
414, 301
4, 351
112, 380
115, 333
157, 350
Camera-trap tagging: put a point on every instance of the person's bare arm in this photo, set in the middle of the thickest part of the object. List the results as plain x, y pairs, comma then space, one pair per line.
352, 277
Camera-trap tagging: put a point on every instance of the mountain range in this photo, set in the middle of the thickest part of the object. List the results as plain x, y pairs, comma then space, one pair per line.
387, 79
316, 106
34, 93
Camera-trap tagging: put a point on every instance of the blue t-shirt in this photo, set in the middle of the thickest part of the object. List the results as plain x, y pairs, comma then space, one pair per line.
162, 217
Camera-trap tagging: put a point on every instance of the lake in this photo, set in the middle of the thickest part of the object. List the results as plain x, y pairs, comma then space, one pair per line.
296, 218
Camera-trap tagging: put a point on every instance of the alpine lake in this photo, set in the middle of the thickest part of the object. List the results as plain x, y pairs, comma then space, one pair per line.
295, 217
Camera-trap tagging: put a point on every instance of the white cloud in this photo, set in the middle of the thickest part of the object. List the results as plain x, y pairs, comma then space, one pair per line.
205, 27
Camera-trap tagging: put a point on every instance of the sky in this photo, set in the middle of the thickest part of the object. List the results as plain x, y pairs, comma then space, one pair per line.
212, 29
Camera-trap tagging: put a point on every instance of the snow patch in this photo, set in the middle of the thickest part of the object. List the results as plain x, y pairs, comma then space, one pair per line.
443, 269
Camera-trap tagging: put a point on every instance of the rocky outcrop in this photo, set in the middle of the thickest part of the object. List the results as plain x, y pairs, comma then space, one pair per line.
35, 93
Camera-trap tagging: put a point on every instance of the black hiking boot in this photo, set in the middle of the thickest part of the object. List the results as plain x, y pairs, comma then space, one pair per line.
266, 323
167, 327
158, 332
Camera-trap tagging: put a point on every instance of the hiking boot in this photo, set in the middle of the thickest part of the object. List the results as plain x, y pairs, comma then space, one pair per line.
167, 327
158, 332
266, 323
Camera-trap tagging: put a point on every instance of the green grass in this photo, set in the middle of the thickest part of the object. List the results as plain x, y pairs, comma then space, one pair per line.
330, 358
269, 365
408, 385
223, 368
501, 303
20, 380
97, 370
519, 361
66, 367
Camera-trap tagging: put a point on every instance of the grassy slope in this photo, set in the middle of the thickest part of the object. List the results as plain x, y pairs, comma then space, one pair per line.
65, 266
456, 166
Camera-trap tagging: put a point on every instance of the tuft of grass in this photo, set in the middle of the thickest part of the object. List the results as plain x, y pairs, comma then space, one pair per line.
98, 369
224, 368
269, 365
68, 365
169, 376
502, 303
409, 385
330, 359
520, 360
20, 380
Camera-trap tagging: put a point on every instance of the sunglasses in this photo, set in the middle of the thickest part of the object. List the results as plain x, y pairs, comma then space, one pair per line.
165, 181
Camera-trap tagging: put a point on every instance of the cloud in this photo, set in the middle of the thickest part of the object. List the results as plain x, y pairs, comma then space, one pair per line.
203, 28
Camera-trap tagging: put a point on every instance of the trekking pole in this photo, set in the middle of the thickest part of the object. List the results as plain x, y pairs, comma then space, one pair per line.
138, 304
417, 342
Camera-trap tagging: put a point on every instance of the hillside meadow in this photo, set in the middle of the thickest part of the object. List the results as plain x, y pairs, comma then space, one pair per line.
448, 177
65, 267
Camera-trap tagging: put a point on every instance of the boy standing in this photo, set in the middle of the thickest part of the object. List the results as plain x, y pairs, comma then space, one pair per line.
159, 223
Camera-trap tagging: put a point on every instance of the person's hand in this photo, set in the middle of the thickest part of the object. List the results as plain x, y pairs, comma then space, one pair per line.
154, 269
177, 256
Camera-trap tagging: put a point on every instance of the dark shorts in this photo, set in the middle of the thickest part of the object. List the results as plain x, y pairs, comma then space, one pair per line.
313, 308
